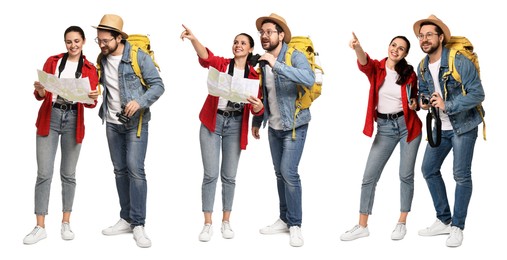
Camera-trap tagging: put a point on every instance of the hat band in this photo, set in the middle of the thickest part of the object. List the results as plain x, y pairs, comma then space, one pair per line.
108, 27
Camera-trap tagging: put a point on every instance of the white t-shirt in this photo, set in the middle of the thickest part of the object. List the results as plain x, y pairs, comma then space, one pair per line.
389, 95
434, 70
275, 121
69, 72
113, 88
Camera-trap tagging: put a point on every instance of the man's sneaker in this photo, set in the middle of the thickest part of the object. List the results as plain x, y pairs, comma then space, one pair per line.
399, 231
438, 228
67, 233
356, 232
227, 230
206, 233
37, 234
296, 238
140, 237
455, 237
121, 227
278, 227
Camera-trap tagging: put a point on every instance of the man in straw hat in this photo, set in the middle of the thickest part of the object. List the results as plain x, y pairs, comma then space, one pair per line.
279, 88
126, 110
460, 121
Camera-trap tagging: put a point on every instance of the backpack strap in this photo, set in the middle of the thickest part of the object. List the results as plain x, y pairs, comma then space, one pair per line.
63, 62
135, 64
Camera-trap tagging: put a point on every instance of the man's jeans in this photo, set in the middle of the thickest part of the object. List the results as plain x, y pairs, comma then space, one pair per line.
462, 147
127, 154
286, 154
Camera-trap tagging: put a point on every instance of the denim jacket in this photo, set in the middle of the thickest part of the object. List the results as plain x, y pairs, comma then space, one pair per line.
460, 108
286, 80
131, 87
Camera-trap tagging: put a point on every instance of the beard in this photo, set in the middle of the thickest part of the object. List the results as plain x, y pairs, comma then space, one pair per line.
108, 50
432, 49
272, 45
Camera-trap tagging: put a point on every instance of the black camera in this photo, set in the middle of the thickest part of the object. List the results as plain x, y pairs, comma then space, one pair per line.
255, 59
122, 117
425, 100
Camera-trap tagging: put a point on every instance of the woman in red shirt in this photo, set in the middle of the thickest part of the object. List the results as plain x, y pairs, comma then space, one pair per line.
224, 129
60, 120
392, 104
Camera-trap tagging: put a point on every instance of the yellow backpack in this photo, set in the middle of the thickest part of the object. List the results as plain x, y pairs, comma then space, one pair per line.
460, 45
306, 96
138, 42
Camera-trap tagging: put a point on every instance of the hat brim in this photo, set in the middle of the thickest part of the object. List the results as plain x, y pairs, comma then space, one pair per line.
445, 29
123, 34
287, 34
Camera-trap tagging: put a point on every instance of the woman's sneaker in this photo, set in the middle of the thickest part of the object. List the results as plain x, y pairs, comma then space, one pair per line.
356, 232
206, 233
37, 234
399, 231
67, 233
227, 232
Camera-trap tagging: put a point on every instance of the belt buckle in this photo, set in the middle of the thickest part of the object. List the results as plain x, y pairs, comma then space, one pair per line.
64, 106
227, 113
393, 116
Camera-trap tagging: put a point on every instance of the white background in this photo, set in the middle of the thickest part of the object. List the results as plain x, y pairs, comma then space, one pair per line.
333, 160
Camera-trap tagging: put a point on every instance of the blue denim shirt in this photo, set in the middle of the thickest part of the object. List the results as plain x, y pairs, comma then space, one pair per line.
131, 87
460, 108
286, 80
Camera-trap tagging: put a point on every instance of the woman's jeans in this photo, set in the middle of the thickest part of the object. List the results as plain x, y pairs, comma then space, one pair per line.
286, 154
462, 147
225, 139
127, 153
390, 132
63, 127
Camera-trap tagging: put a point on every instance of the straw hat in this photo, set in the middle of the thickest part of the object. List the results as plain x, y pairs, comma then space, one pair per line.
433, 19
278, 20
112, 22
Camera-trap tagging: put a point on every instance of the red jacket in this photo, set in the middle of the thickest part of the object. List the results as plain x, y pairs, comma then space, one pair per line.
376, 72
44, 117
208, 114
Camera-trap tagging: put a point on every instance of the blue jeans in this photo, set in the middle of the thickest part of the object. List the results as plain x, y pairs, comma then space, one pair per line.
463, 150
390, 132
127, 153
286, 154
63, 127
226, 139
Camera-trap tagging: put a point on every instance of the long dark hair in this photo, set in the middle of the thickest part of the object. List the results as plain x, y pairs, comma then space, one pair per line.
403, 69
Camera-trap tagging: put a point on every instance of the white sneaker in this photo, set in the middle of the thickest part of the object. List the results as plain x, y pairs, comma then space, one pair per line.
296, 238
37, 234
140, 237
278, 227
356, 232
227, 230
455, 237
66, 232
399, 231
206, 233
121, 227
438, 228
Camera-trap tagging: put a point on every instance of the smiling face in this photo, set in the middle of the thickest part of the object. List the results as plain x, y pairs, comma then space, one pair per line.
429, 39
271, 38
241, 46
74, 43
397, 50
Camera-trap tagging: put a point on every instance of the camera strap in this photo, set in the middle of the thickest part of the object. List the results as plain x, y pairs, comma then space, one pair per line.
64, 61
234, 105
433, 113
